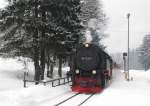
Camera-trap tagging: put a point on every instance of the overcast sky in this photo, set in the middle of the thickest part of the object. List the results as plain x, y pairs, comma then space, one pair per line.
116, 11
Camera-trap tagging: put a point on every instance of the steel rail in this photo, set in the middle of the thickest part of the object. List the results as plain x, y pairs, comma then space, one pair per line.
86, 100
66, 99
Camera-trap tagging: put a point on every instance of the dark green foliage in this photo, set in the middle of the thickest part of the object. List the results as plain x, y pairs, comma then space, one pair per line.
37, 28
61, 21
40, 29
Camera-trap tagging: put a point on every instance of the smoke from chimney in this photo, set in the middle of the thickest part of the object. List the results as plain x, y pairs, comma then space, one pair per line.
88, 37
91, 26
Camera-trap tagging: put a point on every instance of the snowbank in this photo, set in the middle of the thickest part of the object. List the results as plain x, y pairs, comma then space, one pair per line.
119, 93
32, 96
10, 73
10, 64
125, 93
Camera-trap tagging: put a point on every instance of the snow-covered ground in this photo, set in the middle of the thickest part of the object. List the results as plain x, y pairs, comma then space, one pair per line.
10, 72
119, 93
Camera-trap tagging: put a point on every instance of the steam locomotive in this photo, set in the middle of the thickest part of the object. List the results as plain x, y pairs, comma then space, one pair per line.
91, 69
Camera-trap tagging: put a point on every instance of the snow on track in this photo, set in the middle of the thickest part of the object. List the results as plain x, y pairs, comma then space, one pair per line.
78, 100
58, 99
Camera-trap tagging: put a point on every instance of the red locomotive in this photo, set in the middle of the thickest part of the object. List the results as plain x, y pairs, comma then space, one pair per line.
91, 69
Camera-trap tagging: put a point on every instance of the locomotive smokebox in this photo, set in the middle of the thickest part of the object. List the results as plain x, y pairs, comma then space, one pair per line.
88, 57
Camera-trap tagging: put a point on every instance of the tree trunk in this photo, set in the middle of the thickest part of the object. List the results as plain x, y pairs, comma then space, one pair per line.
51, 70
37, 71
60, 67
48, 66
36, 56
42, 59
36, 50
72, 66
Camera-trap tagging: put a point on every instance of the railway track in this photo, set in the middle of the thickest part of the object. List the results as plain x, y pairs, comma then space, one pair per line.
86, 100
74, 96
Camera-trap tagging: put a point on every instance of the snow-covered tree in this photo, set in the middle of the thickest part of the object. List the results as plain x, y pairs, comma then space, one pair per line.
94, 19
31, 26
144, 51
92, 9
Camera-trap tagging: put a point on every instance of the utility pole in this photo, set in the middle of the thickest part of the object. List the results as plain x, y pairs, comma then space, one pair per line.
128, 16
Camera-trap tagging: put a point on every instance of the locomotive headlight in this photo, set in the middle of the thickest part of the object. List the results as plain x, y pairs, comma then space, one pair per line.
77, 71
86, 45
94, 72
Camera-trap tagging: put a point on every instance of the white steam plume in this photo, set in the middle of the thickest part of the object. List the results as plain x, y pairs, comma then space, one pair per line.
91, 26
88, 37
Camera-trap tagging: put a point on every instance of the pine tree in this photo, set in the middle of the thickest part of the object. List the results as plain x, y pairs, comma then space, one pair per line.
22, 38
144, 51
14, 39
33, 27
66, 14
